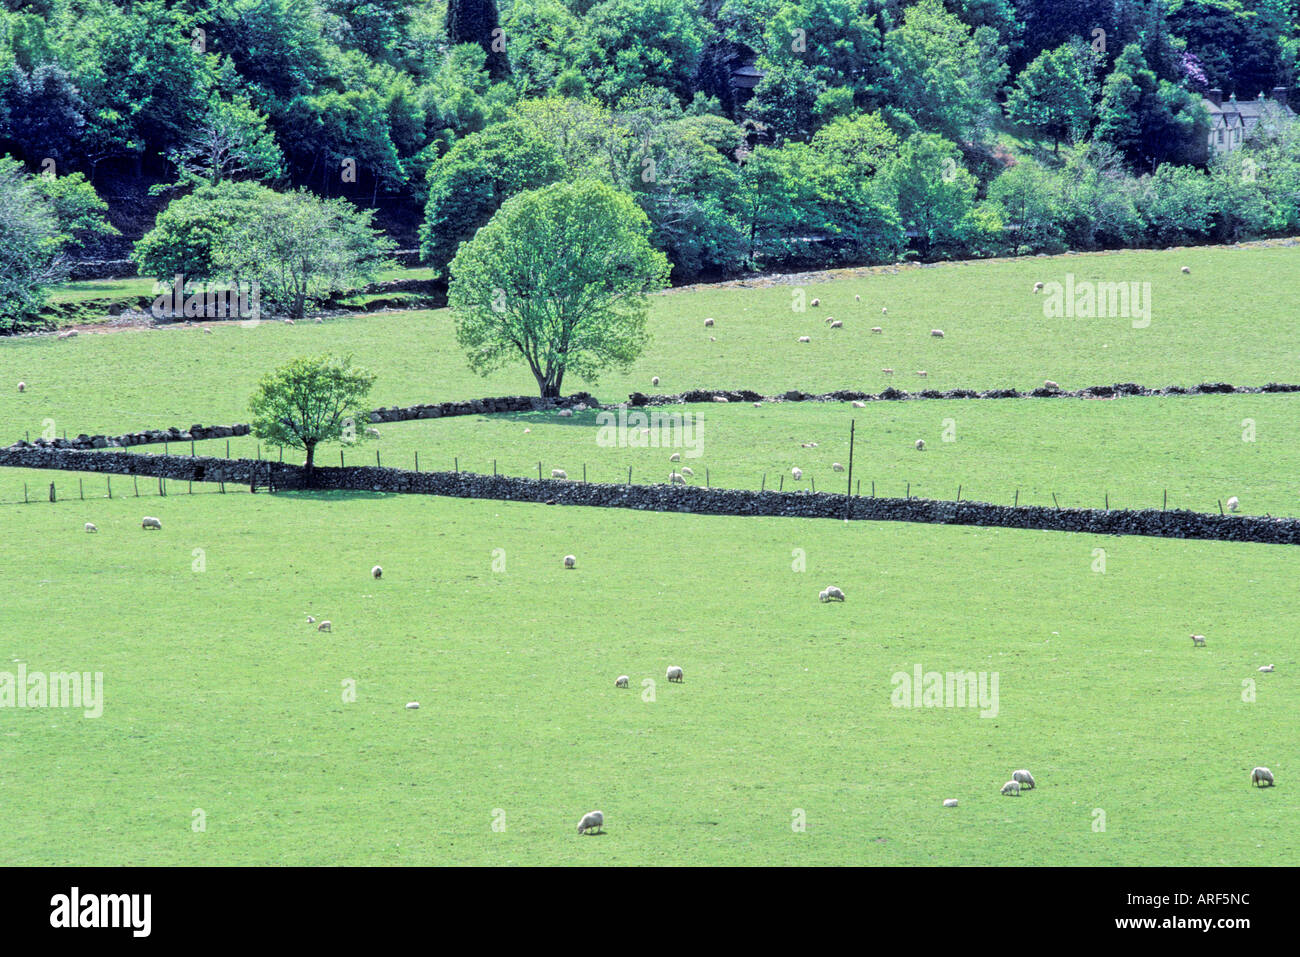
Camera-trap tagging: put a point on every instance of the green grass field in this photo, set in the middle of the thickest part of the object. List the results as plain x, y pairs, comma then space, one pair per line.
219, 697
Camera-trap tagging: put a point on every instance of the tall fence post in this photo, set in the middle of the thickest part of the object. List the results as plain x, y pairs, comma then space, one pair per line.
52, 498
24, 493
82, 490
136, 482
853, 426
109, 480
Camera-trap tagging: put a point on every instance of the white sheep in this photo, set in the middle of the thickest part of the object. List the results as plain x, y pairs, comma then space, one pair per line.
621, 681
837, 324
675, 673
809, 445
376, 572
527, 431
151, 522
858, 404
209, 331
22, 387
950, 802
372, 432
288, 322
876, 330
311, 619
69, 334
920, 445
1011, 787
90, 527
412, 706
720, 398
837, 467
797, 473
1261, 777
884, 311
887, 371
937, 333
1233, 504
816, 303
922, 373
713, 338
1049, 384
325, 626
1186, 270
570, 561
559, 474
687, 471
1265, 667
758, 405
805, 339
1198, 641
592, 821
1023, 778
857, 298
565, 413
675, 457
1038, 287
708, 322
654, 380
831, 593
676, 478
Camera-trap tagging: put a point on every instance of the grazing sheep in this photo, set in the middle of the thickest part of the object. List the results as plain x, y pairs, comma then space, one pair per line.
1023, 778
805, 339
884, 311
686, 470
372, 432
288, 322
831, 593
837, 324
1198, 641
937, 333
654, 380
797, 473
570, 561
22, 387
720, 398
1038, 287
526, 431
90, 527
376, 572
1261, 777
809, 445
676, 478
950, 802
837, 467
758, 405
69, 334
1186, 270
325, 626
708, 322
1011, 787
816, 303
922, 373
591, 822
675, 457
311, 619
151, 522
857, 298
675, 673
876, 330
565, 413
559, 474
920, 445
859, 405
713, 338
1049, 384
1265, 667
887, 371
412, 706
1233, 503
621, 681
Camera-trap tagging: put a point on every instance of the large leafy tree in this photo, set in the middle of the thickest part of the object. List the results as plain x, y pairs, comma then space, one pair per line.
476, 21
558, 278
1151, 120
1053, 95
646, 42
31, 246
935, 193
311, 400
231, 141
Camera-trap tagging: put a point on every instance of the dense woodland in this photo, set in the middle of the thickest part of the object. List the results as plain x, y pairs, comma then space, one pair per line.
753, 133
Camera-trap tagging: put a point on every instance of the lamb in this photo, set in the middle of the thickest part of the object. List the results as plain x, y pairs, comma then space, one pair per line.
837, 467
920, 445
675, 457
591, 822
559, 474
1023, 778
1049, 384
1186, 270
22, 387
376, 572
805, 339
151, 522
1198, 641
687, 471
708, 322
675, 673
311, 619
837, 324
1261, 777
209, 331
654, 380
797, 473
876, 330
570, 561
1038, 287
1265, 667
1011, 787
90, 527
1233, 503
937, 333
325, 626
621, 681
676, 478
831, 593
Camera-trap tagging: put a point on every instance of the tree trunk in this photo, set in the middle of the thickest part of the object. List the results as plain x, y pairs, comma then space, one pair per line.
311, 462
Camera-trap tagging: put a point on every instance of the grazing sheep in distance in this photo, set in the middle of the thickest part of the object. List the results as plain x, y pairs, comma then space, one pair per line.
837, 467
686, 470
857, 298
858, 404
887, 371
592, 821
565, 413
1265, 667
937, 333
797, 473
68, 334
1261, 777
372, 432
526, 431
1038, 287
559, 474
654, 381
621, 681
1049, 384
151, 522
884, 311
758, 405
950, 802
720, 398
920, 445
1233, 503
90, 527
22, 387
570, 561
311, 619
877, 330
713, 338
1023, 778
831, 593
412, 706
816, 303
837, 324
1186, 270
675, 457
805, 339
708, 322
325, 626
1011, 787
376, 572
675, 673
676, 478
922, 373
1198, 641
809, 445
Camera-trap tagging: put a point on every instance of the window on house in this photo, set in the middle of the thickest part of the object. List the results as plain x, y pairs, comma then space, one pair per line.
1220, 136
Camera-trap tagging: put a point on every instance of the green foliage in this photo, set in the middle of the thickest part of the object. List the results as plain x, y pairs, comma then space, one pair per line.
31, 243
311, 400
1151, 121
558, 277
476, 21
480, 173
645, 43
1177, 204
1026, 195
188, 234
1054, 94
82, 215
231, 141
935, 193
545, 41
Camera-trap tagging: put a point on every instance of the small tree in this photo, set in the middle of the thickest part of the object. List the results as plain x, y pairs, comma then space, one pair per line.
311, 400
31, 247
1053, 94
558, 276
